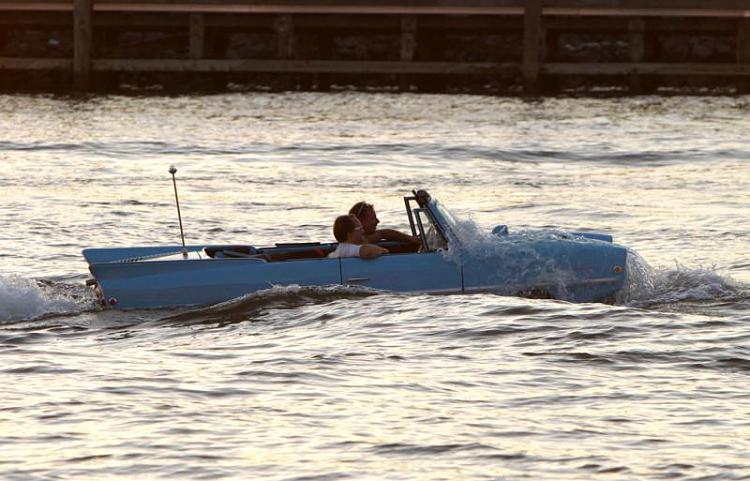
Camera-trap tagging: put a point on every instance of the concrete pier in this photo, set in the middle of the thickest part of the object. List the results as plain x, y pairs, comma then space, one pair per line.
498, 46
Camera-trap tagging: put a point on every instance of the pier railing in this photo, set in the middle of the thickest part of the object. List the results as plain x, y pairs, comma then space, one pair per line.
420, 26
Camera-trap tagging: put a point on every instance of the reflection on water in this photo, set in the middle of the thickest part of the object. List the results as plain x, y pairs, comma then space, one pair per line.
335, 382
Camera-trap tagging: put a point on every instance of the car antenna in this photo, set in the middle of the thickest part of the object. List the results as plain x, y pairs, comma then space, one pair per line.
173, 171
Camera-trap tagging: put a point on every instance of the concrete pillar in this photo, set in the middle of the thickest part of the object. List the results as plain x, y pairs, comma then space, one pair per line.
82, 34
197, 36
408, 47
283, 26
743, 53
532, 45
326, 46
637, 37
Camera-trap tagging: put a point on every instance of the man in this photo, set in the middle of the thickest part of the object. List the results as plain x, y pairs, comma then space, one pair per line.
366, 214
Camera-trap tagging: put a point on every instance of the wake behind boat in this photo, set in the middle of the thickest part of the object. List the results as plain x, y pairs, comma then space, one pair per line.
579, 267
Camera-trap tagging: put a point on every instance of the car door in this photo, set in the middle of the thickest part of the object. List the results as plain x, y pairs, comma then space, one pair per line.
419, 272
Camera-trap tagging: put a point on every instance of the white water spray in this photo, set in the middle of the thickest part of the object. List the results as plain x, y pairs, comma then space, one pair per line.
25, 299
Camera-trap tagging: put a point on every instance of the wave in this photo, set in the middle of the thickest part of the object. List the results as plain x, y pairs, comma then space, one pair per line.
426, 149
648, 286
124, 149
277, 297
23, 299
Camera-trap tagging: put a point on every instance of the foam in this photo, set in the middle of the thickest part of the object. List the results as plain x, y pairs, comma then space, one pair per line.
515, 252
26, 299
647, 285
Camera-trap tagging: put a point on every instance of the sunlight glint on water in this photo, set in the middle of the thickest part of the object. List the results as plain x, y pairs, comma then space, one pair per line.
340, 382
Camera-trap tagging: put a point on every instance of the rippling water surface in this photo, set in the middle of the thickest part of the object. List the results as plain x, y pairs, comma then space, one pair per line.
348, 383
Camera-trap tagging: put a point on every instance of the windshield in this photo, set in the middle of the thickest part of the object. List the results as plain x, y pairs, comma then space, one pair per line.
445, 217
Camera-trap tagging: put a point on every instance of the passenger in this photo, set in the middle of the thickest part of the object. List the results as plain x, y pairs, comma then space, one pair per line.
348, 231
366, 214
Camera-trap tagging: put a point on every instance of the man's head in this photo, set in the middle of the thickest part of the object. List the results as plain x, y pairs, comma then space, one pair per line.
347, 228
366, 214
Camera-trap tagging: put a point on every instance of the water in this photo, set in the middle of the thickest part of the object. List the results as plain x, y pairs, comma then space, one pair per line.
343, 383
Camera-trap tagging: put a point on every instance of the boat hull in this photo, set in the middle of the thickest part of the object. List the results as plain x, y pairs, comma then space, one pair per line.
160, 277
203, 282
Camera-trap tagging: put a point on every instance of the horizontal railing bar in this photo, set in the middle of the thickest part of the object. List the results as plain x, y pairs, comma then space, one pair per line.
369, 22
647, 12
12, 63
36, 7
280, 9
388, 9
303, 66
687, 69
382, 67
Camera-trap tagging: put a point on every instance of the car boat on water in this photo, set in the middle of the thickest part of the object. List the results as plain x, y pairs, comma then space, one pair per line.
578, 267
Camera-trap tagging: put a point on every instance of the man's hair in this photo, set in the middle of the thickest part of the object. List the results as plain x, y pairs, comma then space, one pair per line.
342, 226
360, 209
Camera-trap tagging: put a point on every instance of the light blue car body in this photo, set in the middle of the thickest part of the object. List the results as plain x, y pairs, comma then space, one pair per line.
569, 266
